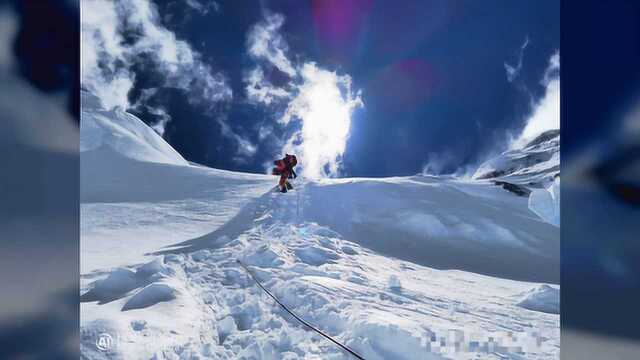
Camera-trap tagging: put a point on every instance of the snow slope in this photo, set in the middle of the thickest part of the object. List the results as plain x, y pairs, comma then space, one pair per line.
121, 132
396, 268
136, 190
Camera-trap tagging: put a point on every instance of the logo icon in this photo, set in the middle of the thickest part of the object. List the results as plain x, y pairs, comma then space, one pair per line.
104, 342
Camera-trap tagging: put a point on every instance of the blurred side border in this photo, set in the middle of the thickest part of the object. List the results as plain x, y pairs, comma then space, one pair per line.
39, 179
600, 125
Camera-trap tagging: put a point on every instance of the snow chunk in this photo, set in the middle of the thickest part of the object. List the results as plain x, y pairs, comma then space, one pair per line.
387, 336
349, 250
315, 256
226, 327
151, 268
150, 295
264, 257
546, 203
394, 283
117, 284
200, 255
543, 298
138, 325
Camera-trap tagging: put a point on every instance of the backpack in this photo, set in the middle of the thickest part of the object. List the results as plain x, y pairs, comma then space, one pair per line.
291, 159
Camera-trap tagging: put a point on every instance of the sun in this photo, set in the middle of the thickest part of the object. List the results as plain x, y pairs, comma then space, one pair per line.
324, 106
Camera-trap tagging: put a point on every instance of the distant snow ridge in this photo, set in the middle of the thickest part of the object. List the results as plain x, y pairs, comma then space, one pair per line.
532, 171
544, 298
123, 133
535, 165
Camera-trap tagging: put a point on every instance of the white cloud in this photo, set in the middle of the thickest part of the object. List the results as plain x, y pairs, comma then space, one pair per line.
259, 90
100, 52
203, 7
107, 59
318, 102
514, 71
266, 43
245, 149
264, 132
160, 112
546, 112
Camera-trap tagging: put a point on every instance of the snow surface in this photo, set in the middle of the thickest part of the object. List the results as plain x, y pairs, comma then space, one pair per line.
395, 268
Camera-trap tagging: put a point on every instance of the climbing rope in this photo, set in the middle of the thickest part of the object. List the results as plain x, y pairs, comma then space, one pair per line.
343, 347
298, 205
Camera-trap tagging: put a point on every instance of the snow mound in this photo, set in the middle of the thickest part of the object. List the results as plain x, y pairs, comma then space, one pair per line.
123, 133
226, 327
315, 256
448, 224
117, 284
151, 268
546, 203
544, 298
150, 295
121, 281
386, 336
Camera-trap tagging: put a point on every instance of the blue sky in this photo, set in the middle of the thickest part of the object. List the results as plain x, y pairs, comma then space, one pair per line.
356, 87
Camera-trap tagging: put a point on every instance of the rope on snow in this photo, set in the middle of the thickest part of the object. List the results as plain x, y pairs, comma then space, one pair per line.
343, 347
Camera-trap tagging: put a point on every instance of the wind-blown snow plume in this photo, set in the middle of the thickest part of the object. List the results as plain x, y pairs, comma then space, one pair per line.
143, 104
323, 105
546, 112
319, 101
514, 71
107, 57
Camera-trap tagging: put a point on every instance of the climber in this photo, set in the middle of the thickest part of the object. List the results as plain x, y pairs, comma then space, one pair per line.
284, 168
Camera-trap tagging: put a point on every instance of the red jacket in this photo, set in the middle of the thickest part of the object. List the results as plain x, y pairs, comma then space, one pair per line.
284, 166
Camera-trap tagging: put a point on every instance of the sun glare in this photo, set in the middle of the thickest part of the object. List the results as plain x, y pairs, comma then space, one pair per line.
324, 106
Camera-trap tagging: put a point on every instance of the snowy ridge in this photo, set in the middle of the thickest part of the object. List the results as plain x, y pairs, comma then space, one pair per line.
533, 171
535, 165
123, 133
390, 267
544, 298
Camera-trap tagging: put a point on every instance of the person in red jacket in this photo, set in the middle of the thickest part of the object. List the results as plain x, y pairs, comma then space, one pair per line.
284, 168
